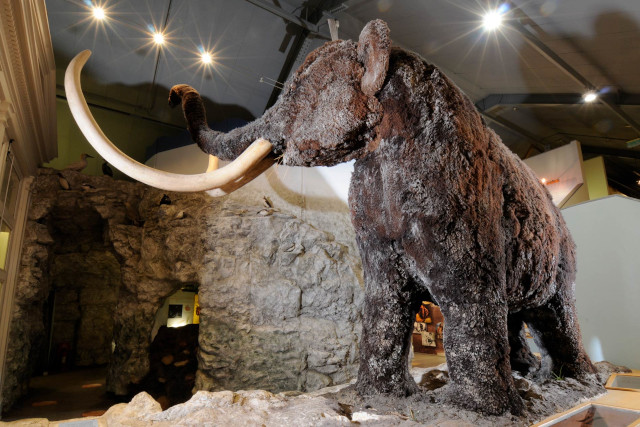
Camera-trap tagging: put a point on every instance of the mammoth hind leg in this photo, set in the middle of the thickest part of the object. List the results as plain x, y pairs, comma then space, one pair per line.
520, 356
555, 327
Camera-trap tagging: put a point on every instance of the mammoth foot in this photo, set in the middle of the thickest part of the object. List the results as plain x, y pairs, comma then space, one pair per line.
485, 401
389, 387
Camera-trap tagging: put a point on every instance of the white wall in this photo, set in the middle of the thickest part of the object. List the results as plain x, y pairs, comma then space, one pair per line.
317, 195
186, 300
607, 235
562, 170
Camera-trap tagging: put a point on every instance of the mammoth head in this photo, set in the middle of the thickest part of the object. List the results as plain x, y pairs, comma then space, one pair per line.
326, 115
330, 108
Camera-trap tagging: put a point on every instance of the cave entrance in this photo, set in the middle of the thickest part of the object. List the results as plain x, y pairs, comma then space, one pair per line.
69, 360
85, 279
427, 338
173, 354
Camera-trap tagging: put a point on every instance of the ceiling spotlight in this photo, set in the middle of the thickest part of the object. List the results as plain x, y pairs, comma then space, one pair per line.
492, 20
98, 13
590, 96
158, 38
543, 180
206, 58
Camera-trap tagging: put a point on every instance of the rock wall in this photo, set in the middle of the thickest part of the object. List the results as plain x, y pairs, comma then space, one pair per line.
280, 308
280, 300
86, 291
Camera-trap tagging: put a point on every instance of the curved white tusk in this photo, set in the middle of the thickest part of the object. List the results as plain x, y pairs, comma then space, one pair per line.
265, 164
227, 175
213, 163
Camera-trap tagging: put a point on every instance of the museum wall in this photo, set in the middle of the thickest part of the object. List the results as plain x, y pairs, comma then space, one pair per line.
607, 292
280, 300
562, 172
596, 177
181, 300
128, 129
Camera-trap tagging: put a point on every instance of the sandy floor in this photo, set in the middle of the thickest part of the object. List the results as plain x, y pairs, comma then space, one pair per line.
63, 396
423, 360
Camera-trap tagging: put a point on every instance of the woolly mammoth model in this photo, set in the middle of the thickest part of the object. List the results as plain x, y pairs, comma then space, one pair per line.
442, 210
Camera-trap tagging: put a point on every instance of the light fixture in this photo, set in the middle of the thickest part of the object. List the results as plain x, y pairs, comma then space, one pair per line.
158, 38
206, 58
590, 96
545, 181
98, 13
492, 20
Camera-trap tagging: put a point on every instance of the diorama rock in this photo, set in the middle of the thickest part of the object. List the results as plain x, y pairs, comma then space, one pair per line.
300, 310
277, 296
342, 405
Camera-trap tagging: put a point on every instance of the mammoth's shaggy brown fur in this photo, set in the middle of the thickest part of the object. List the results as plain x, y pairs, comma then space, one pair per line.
442, 211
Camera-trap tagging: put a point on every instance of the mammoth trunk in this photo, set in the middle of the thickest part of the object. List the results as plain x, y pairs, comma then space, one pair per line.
226, 146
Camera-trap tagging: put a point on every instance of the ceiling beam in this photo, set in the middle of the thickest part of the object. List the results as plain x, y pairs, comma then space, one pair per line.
316, 11
623, 188
496, 99
269, 7
606, 151
549, 99
554, 58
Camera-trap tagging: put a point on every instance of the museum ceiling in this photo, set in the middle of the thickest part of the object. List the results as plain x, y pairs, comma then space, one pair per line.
527, 77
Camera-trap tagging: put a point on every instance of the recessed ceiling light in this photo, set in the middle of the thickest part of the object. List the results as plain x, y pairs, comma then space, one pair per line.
543, 180
98, 13
206, 58
590, 96
158, 38
492, 20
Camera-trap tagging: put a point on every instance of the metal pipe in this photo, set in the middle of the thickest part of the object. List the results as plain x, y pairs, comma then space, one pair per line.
312, 28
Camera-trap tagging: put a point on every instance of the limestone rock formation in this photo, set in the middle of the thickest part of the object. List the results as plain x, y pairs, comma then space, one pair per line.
280, 288
280, 300
228, 408
341, 405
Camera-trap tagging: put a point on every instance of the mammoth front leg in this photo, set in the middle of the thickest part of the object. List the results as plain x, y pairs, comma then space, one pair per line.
387, 326
477, 348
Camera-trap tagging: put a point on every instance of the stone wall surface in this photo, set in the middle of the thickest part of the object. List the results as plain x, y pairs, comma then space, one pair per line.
281, 288
280, 300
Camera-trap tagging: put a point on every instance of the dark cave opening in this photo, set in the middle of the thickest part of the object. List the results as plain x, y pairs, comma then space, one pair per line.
85, 280
72, 346
173, 354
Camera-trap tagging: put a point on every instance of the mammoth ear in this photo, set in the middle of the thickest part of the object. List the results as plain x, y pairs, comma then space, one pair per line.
374, 47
